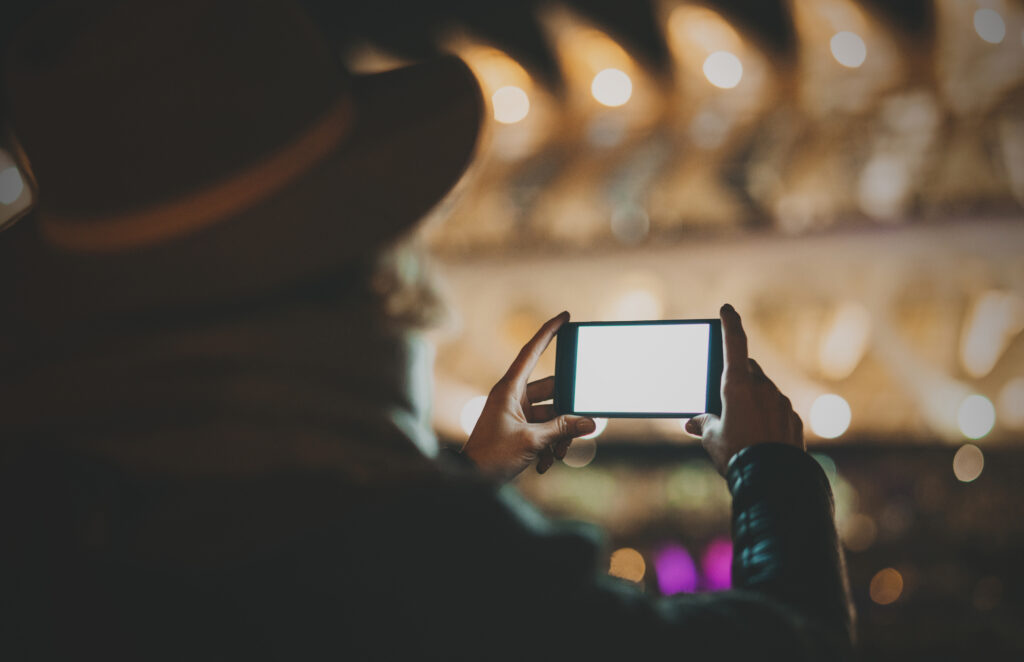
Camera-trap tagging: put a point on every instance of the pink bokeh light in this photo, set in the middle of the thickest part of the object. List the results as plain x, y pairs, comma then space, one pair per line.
676, 571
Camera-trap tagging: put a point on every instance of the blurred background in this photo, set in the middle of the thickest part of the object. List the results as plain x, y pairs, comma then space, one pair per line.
850, 175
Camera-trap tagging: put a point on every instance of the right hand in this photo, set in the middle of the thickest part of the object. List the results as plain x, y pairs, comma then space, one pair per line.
754, 411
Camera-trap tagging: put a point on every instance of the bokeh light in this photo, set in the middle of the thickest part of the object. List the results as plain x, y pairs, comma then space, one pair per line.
830, 416
675, 569
848, 49
471, 413
990, 26
612, 87
858, 532
11, 185
717, 564
581, 453
976, 416
1011, 403
968, 463
511, 104
723, 69
886, 586
627, 563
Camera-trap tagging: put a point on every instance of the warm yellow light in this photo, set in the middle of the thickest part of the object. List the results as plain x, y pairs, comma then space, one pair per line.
995, 318
990, 26
886, 586
858, 532
612, 87
968, 463
511, 104
627, 563
845, 341
723, 69
11, 185
830, 416
1011, 403
848, 49
976, 416
471, 413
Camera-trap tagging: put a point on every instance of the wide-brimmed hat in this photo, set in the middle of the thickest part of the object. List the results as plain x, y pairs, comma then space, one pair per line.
197, 150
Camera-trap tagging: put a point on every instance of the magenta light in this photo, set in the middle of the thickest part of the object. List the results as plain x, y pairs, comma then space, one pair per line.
676, 570
717, 564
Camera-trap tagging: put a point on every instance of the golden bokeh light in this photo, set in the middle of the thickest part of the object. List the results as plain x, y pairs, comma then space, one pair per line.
511, 104
844, 341
830, 416
582, 451
989, 25
886, 586
848, 49
968, 463
993, 321
627, 563
976, 416
612, 87
723, 70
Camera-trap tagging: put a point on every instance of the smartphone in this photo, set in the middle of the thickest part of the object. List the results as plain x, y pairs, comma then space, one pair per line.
639, 369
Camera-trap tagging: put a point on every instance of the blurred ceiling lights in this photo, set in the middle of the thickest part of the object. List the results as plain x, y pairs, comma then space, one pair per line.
621, 193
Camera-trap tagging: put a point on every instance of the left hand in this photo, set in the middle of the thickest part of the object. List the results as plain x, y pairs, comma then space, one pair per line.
512, 430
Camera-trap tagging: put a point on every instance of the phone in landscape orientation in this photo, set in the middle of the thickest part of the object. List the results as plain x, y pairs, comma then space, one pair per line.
639, 369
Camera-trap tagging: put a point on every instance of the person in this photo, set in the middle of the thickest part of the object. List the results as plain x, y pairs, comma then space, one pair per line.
215, 431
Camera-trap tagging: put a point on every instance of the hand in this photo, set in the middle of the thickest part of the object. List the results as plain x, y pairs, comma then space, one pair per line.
753, 409
512, 431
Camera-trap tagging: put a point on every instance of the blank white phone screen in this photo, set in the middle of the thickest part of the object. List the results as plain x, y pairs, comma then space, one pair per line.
633, 368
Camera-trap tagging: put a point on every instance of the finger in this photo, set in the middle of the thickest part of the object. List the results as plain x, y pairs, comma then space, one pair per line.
560, 448
540, 390
798, 426
735, 341
540, 413
698, 424
758, 373
521, 368
563, 427
544, 461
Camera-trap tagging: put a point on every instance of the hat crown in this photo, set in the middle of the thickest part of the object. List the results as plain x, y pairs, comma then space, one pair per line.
124, 105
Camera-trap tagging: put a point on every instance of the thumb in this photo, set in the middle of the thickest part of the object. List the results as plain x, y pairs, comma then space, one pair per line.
698, 424
563, 427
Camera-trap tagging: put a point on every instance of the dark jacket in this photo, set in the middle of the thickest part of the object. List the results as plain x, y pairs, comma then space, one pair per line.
301, 565
247, 487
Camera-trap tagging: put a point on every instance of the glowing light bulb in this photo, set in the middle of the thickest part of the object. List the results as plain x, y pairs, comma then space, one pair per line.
976, 416
11, 185
968, 463
471, 413
830, 416
723, 70
612, 87
990, 26
511, 104
848, 49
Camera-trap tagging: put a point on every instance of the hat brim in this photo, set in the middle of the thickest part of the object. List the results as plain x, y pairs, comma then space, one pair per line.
414, 134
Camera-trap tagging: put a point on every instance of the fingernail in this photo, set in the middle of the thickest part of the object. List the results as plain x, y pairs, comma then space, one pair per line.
584, 425
727, 308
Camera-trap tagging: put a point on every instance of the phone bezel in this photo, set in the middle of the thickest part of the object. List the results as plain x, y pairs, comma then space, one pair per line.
565, 369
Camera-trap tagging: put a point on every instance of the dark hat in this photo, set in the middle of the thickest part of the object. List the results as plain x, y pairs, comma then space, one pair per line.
194, 150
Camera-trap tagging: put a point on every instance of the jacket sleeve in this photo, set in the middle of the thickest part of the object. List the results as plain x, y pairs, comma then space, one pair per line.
790, 598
